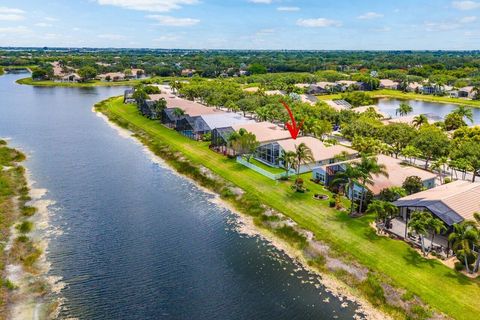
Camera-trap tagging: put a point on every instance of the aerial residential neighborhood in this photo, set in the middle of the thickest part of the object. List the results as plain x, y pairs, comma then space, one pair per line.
243, 159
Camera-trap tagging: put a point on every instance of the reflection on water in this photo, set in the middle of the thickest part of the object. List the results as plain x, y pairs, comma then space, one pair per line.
435, 110
138, 241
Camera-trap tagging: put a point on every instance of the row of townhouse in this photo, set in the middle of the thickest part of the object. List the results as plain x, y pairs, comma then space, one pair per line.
451, 203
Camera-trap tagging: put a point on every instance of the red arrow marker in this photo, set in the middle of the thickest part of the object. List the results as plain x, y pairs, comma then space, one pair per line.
292, 127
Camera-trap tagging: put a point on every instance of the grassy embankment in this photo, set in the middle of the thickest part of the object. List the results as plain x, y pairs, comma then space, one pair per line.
13, 210
353, 239
93, 83
1, 71
395, 94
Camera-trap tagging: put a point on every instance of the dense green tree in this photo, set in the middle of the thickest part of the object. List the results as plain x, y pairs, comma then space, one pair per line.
398, 136
87, 73
432, 142
412, 184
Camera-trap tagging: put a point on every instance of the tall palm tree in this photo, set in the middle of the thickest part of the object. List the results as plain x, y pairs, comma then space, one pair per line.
385, 211
347, 178
287, 159
419, 223
436, 226
476, 216
464, 235
303, 155
464, 112
403, 109
369, 166
420, 120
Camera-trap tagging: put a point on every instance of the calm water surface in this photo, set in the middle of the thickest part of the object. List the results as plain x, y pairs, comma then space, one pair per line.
138, 241
438, 110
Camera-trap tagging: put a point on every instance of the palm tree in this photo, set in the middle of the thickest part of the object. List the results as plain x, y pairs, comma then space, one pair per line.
476, 215
419, 120
347, 178
419, 223
177, 112
385, 211
436, 226
464, 112
464, 235
403, 109
368, 167
303, 154
287, 159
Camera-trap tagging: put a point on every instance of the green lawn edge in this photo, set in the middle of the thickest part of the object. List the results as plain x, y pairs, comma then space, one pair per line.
440, 287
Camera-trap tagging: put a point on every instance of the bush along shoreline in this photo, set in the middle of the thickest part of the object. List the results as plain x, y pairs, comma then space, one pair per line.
23, 284
377, 294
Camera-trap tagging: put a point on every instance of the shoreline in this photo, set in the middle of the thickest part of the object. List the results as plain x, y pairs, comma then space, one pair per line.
49, 83
247, 226
31, 293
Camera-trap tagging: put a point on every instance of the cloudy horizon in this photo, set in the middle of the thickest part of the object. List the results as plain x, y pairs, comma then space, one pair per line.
242, 24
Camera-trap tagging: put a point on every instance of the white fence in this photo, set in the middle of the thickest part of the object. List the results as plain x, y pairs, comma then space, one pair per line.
273, 176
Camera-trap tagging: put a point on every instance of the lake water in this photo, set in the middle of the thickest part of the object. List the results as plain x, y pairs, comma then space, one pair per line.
135, 240
439, 110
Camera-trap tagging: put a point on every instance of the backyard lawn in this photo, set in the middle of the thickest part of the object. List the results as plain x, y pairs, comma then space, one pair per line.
440, 287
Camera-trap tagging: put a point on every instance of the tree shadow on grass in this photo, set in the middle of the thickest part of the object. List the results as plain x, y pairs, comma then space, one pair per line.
462, 279
412, 257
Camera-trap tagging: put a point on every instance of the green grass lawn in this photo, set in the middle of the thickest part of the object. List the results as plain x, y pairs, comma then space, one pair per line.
395, 94
94, 83
437, 285
265, 167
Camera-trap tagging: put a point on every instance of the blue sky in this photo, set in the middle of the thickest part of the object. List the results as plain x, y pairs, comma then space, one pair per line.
243, 24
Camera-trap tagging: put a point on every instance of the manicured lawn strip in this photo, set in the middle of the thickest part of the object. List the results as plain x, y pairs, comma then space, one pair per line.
437, 285
395, 94
265, 167
95, 83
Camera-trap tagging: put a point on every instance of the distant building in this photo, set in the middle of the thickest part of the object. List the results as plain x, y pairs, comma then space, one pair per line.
388, 84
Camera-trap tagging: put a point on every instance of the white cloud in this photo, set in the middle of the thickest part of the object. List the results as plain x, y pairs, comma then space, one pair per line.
441, 26
469, 19
288, 9
466, 5
370, 15
43, 25
167, 38
14, 30
173, 21
264, 32
11, 14
261, 1
51, 19
111, 36
318, 23
11, 10
148, 5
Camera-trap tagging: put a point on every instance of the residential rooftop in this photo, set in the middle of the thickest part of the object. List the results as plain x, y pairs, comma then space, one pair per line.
452, 202
264, 131
221, 120
397, 173
190, 108
320, 151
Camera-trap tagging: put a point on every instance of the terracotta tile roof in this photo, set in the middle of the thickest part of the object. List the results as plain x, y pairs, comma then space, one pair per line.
191, 108
264, 131
319, 150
